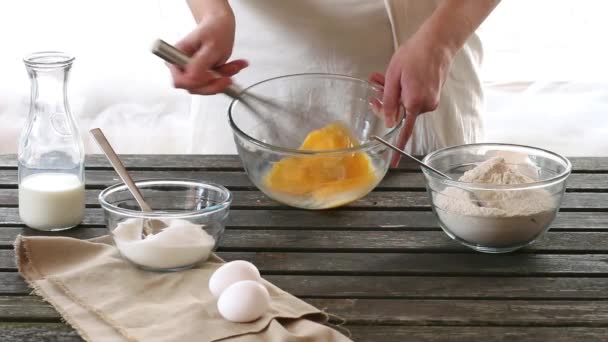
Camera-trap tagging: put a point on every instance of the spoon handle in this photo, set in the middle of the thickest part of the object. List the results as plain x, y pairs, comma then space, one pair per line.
107, 149
430, 168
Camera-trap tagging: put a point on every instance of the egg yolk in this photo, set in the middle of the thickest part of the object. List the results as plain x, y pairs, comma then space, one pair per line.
323, 176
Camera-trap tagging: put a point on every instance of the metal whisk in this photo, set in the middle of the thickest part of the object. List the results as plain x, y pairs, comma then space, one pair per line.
174, 56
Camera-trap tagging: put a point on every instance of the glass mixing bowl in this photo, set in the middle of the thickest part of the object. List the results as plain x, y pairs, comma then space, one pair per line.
496, 218
313, 101
194, 212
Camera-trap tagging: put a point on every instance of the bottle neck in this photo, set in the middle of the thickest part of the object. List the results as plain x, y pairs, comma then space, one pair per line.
49, 90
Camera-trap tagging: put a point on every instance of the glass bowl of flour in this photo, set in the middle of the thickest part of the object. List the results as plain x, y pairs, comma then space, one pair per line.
189, 218
502, 197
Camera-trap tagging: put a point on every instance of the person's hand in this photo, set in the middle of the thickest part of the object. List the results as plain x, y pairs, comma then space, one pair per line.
210, 46
414, 78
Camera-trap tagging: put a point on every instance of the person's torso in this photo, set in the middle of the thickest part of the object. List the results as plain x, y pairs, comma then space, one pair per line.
278, 37
350, 37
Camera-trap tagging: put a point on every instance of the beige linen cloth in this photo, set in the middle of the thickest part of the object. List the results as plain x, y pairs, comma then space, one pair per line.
105, 298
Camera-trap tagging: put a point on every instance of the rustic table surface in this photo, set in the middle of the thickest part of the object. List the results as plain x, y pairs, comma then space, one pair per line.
382, 263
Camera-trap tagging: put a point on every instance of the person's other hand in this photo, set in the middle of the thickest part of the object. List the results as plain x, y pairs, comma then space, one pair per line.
209, 45
414, 77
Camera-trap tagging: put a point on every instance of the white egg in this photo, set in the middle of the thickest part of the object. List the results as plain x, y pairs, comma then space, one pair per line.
244, 301
231, 273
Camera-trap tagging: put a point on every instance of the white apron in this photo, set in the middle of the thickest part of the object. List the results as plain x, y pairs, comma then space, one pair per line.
351, 37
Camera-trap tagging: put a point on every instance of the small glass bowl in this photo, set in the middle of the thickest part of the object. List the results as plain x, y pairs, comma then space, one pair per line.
320, 99
195, 213
493, 231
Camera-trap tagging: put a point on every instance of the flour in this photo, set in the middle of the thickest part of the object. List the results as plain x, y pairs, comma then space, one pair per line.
180, 244
495, 171
505, 217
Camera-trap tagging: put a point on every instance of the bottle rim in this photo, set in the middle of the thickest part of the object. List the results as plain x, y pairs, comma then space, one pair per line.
48, 59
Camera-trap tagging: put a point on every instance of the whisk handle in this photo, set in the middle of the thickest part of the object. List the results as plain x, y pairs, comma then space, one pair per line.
174, 56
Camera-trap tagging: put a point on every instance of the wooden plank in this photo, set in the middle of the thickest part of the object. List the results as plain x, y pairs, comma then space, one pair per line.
256, 199
231, 179
339, 219
28, 309
401, 311
437, 264
344, 241
442, 287
409, 287
589, 164
585, 201
285, 218
587, 182
390, 333
150, 161
21, 332
467, 312
421, 263
11, 283
174, 161
10, 197
404, 200
104, 178
394, 241
374, 220
237, 180
198, 162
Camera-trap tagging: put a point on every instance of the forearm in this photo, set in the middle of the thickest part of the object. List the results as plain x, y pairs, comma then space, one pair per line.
454, 21
203, 8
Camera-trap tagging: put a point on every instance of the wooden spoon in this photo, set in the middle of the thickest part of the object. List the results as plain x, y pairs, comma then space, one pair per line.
151, 226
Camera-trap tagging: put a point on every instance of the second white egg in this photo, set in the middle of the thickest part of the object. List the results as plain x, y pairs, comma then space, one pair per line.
244, 301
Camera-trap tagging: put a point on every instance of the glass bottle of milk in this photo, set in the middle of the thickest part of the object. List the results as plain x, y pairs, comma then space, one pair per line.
51, 154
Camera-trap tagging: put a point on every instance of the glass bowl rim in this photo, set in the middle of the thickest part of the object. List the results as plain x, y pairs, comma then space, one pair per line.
477, 186
370, 144
63, 59
162, 182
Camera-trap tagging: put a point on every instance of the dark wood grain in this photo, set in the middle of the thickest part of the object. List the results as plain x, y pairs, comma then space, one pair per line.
104, 178
395, 200
11, 283
290, 218
401, 311
182, 162
442, 287
410, 263
410, 287
237, 180
339, 219
589, 164
27, 309
34, 332
467, 312
391, 333
256, 199
198, 162
354, 241
382, 262
10, 197
425, 263
152, 162
395, 241
230, 179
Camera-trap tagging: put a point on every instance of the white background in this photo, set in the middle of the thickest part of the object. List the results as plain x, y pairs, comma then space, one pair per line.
544, 71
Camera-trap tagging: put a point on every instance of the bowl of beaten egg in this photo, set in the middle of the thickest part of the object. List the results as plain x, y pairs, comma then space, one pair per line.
318, 153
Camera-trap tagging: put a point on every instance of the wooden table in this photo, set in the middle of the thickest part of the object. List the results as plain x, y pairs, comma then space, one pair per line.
382, 262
